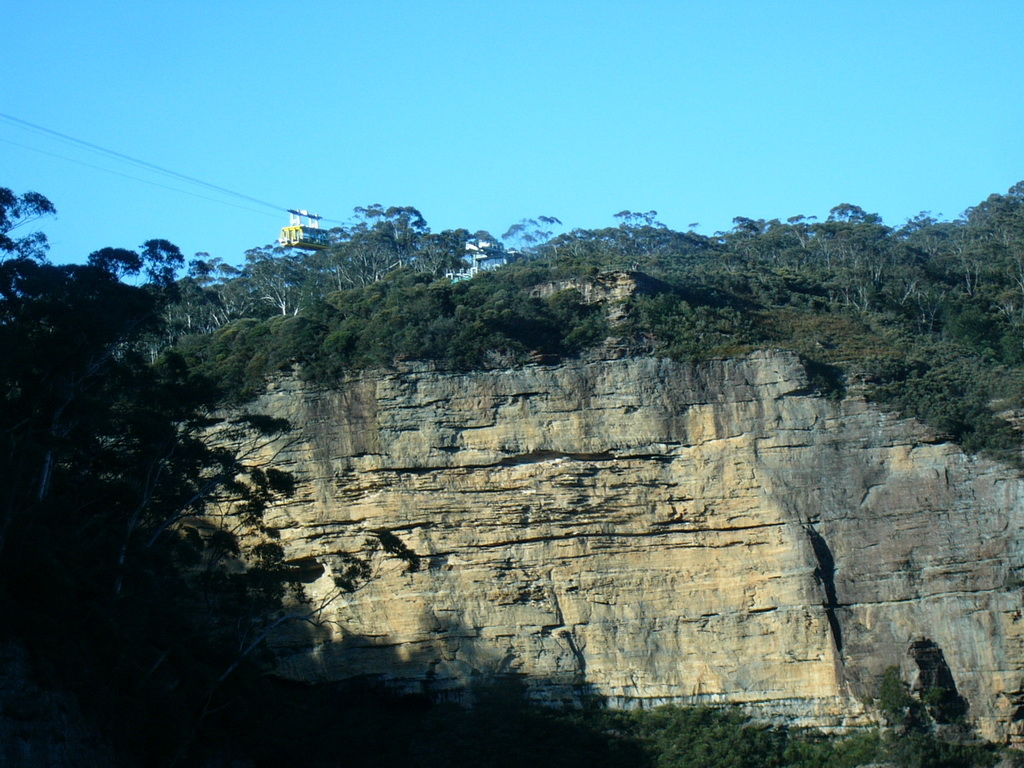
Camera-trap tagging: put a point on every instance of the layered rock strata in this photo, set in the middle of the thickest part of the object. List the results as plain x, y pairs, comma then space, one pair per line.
650, 531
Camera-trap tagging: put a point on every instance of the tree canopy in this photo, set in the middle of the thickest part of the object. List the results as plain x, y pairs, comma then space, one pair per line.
927, 317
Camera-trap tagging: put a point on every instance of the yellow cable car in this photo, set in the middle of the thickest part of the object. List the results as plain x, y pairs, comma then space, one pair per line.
300, 234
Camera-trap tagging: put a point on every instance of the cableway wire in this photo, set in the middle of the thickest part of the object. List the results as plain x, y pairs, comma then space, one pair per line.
135, 161
134, 178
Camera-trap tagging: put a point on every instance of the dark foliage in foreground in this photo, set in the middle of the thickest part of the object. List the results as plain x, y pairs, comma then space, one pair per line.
322, 727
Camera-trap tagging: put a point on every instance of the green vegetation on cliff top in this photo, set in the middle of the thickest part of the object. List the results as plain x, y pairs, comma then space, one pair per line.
926, 318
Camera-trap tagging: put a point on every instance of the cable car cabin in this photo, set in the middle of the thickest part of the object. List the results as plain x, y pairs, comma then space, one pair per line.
311, 238
300, 234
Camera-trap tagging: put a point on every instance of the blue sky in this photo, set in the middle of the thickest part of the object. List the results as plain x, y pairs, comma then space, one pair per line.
481, 114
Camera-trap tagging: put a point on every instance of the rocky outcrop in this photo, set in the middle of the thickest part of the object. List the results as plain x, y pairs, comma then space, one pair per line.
612, 289
651, 531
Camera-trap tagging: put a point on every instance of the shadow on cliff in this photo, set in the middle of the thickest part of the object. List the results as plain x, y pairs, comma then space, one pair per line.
456, 700
825, 575
489, 720
453, 665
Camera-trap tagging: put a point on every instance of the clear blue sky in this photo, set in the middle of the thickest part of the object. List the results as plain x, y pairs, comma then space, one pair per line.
481, 114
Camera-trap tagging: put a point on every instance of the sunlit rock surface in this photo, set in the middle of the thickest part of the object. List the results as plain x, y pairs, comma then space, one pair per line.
650, 531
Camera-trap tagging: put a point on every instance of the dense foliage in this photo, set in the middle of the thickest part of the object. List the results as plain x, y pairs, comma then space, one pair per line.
119, 569
927, 318
404, 316
314, 727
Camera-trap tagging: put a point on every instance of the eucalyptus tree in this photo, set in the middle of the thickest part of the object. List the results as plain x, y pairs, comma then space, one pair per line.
530, 235
17, 211
441, 252
276, 277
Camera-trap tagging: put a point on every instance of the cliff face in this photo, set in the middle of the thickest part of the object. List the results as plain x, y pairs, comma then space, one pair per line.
652, 532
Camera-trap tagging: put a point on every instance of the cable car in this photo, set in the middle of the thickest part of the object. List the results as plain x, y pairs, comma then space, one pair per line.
303, 231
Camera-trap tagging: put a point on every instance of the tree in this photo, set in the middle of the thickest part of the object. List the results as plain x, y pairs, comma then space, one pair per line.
205, 299
161, 260
108, 482
276, 277
640, 234
17, 211
119, 262
853, 214
530, 235
380, 241
442, 252
206, 271
894, 699
395, 231
63, 327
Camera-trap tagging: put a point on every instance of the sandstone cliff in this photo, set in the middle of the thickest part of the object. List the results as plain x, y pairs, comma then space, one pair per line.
652, 531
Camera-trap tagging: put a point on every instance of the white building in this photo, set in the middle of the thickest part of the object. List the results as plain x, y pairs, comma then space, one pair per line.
482, 256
